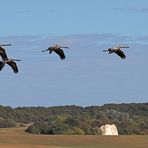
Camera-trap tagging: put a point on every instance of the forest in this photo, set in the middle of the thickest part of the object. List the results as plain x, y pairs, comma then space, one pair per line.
129, 118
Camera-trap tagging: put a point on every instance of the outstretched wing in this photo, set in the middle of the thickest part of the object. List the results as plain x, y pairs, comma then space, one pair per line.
2, 64
13, 66
3, 54
60, 52
120, 53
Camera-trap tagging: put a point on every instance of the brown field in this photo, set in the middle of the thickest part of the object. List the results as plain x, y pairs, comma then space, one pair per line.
17, 138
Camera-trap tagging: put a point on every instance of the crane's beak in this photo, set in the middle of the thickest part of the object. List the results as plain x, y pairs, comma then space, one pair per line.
44, 50
105, 50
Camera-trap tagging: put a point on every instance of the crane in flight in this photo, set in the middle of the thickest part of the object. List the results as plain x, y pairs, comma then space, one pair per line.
6, 60
117, 50
58, 50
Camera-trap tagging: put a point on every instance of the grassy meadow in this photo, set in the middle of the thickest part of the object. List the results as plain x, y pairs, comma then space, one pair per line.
18, 138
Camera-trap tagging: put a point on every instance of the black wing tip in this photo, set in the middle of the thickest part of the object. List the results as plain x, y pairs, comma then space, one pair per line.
62, 58
15, 72
123, 57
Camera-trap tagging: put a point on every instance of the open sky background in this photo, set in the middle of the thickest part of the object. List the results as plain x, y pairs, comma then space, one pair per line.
87, 76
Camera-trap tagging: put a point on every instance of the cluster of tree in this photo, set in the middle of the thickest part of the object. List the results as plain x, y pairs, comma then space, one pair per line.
129, 118
55, 125
4, 123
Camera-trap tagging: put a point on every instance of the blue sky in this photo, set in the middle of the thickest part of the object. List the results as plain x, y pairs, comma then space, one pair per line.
87, 76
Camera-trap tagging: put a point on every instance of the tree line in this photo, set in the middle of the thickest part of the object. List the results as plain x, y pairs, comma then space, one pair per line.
129, 118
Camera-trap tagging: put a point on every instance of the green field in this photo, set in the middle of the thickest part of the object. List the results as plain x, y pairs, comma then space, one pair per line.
17, 138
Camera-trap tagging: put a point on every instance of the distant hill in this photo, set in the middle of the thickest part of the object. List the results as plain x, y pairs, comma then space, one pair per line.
129, 118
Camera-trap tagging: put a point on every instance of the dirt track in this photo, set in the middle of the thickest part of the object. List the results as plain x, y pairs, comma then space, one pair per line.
25, 146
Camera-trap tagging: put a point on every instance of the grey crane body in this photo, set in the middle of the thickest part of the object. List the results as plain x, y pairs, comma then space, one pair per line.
57, 49
117, 50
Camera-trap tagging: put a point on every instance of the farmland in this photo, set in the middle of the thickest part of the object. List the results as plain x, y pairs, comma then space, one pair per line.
17, 137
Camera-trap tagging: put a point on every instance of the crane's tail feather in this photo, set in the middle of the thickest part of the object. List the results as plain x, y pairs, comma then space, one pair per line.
16, 60
65, 47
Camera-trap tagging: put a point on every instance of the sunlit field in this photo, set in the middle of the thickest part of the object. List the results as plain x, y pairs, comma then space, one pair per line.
17, 138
